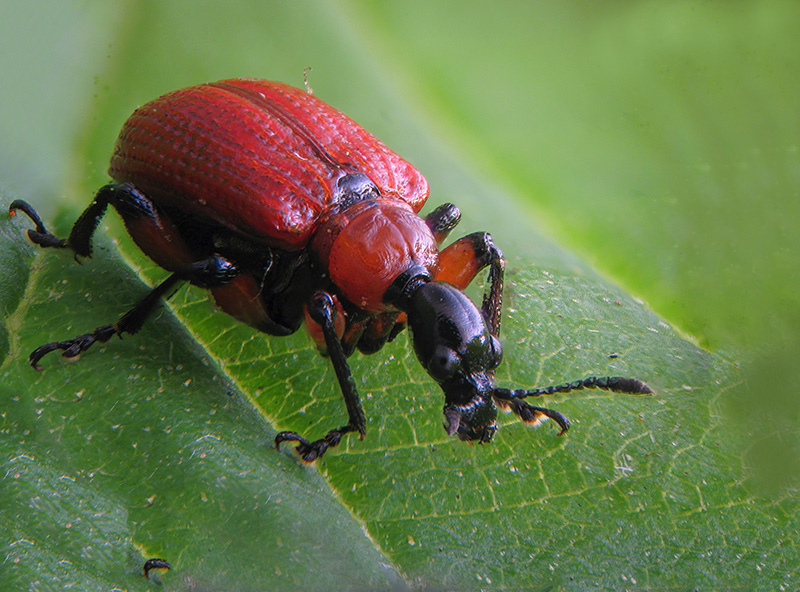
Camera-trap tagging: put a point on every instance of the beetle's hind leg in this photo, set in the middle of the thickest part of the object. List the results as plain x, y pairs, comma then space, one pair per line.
158, 236
80, 238
41, 236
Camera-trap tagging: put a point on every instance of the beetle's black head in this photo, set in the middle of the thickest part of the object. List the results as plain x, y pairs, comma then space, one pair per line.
454, 345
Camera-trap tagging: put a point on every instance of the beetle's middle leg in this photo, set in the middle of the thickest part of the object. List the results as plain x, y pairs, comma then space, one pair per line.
322, 310
211, 272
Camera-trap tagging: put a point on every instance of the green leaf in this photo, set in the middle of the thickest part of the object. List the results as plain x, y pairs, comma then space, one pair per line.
627, 128
146, 449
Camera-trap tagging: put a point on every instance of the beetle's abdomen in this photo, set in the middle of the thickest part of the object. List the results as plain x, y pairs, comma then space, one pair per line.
259, 157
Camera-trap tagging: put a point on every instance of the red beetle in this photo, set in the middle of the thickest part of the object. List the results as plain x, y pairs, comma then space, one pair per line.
288, 211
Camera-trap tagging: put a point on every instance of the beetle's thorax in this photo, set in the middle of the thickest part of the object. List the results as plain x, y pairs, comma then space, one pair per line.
368, 244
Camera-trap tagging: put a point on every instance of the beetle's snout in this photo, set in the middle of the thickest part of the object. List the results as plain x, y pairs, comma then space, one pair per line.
477, 420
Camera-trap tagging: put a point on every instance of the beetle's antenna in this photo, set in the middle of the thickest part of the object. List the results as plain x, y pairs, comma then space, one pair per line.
616, 384
512, 398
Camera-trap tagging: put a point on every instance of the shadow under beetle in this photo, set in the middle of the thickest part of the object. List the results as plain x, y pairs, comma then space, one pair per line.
289, 212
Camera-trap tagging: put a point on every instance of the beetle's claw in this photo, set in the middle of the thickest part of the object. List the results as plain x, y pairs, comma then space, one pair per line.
41, 236
72, 347
27, 209
41, 352
307, 450
310, 451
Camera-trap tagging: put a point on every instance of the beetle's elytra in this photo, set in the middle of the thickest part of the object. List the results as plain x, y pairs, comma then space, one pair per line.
289, 212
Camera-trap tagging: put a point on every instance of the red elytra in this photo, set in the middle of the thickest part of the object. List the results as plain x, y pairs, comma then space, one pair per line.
289, 212
261, 158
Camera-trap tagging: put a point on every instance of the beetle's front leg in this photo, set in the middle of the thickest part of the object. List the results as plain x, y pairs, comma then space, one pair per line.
462, 260
322, 310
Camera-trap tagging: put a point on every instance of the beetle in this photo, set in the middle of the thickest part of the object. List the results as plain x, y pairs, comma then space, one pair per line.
290, 213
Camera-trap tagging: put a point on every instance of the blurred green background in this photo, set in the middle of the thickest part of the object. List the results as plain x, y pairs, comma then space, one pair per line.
651, 144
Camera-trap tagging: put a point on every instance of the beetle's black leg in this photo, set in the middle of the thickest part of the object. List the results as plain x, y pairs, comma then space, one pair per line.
209, 273
130, 322
126, 199
492, 306
462, 260
80, 237
321, 309
529, 413
41, 236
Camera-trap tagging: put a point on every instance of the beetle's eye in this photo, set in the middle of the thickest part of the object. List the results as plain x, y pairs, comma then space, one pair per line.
443, 363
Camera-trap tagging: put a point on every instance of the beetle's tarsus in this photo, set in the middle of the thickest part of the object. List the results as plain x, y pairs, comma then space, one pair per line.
73, 347
131, 322
41, 236
308, 451
311, 451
